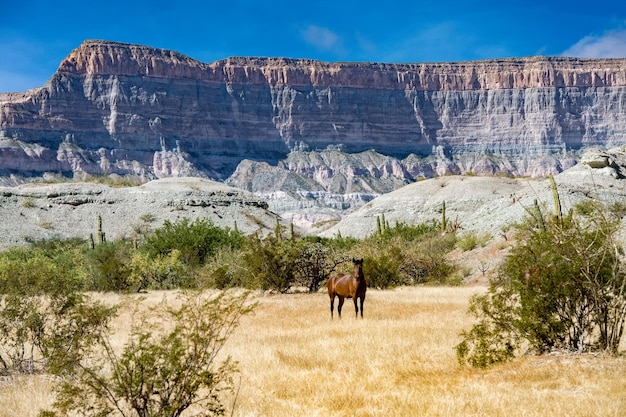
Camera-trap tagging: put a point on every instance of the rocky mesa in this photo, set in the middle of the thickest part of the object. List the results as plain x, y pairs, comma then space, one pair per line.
131, 109
329, 135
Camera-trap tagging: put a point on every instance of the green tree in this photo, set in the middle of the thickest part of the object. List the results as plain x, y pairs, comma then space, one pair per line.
169, 363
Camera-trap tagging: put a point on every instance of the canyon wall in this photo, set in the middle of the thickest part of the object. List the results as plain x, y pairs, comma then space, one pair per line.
147, 112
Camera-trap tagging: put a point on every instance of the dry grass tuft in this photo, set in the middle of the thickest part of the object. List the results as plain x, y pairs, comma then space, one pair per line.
398, 361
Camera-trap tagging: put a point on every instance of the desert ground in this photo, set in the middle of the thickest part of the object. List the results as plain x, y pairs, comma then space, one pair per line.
397, 361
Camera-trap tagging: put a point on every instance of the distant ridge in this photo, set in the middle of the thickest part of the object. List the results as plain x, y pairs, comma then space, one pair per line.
342, 128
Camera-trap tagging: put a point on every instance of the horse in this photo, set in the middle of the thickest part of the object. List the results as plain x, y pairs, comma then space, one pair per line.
348, 286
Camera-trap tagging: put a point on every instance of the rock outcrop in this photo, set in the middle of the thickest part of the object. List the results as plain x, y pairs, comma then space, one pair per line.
491, 205
31, 212
114, 108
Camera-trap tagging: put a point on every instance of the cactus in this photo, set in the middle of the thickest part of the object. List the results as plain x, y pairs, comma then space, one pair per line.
277, 231
383, 223
444, 222
236, 230
539, 217
92, 244
291, 234
378, 226
557, 200
101, 237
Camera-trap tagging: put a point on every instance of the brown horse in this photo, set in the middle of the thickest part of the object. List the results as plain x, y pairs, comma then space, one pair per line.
348, 286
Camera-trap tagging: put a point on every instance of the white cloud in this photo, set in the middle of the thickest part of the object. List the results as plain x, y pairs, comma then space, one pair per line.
322, 38
611, 44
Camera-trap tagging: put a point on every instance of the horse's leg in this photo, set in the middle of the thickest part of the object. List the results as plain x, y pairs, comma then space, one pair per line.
362, 299
332, 305
356, 308
339, 305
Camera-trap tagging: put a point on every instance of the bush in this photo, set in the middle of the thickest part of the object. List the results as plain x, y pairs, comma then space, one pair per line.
226, 269
162, 272
563, 286
108, 266
196, 241
383, 270
272, 263
410, 233
472, 240
168, 364
407, 255
44, 319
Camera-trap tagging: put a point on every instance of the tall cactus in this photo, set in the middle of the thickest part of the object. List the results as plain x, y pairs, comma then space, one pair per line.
278, 231
101, 237
444, 221
539, 216
557, 200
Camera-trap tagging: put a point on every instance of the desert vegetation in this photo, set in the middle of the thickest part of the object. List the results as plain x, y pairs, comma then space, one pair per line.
193, 319
562, 287
50, 325
294, 361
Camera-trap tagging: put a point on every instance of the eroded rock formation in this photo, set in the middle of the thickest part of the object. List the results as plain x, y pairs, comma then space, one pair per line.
333, 128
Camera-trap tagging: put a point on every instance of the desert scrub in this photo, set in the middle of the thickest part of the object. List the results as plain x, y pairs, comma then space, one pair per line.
472, 240
562, 287
170, 361
28, 203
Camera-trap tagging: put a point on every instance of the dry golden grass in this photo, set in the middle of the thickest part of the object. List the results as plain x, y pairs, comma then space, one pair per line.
398, 361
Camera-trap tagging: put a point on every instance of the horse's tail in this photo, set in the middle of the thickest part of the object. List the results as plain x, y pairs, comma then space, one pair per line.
331, 285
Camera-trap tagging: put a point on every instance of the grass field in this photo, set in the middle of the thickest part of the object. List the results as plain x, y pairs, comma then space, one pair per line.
398, 361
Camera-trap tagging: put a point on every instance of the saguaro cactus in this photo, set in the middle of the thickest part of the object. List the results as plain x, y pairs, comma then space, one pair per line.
557, 200
278, 231
101, 237
444, 221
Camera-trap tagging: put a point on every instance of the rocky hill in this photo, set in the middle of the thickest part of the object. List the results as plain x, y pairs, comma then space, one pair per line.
32, 212
491, 205
315, 139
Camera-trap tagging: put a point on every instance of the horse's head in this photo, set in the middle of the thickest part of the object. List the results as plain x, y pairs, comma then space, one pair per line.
358, 268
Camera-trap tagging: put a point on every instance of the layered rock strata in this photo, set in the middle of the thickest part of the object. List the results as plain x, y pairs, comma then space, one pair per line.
335, 134
131, 109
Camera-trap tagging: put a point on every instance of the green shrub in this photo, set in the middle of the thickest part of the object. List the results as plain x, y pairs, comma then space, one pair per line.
472, 240
561, 287
44, 319
162, 272
196, 241
108, 266
169, 362
383, 270
271, 263
226, 269
409, 233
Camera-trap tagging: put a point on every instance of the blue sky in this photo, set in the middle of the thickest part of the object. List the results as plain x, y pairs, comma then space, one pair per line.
36, 35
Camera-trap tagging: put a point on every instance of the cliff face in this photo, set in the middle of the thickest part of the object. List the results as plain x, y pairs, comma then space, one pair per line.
136, 110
